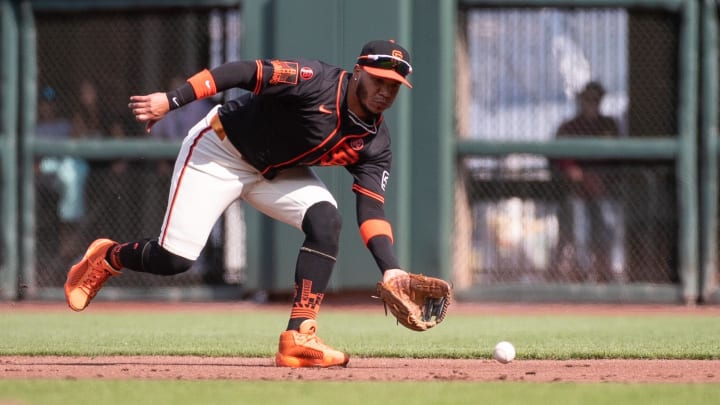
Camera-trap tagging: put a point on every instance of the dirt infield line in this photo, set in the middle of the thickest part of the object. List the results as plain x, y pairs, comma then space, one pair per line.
361, 369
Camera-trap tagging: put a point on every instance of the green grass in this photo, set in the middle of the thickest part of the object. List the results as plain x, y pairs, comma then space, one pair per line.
248, 334
93, 392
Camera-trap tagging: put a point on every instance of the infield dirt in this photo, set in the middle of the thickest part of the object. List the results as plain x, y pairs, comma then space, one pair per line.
363, 369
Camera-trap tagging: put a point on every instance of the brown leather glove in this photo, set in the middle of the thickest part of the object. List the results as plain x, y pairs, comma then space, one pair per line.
418, 302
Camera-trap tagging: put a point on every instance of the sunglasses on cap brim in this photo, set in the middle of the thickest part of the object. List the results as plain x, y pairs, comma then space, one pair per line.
391, 62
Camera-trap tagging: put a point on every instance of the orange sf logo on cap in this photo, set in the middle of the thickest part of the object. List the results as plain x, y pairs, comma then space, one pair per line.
398, 54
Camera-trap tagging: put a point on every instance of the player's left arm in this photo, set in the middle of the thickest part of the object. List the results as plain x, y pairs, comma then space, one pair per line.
375, 229
371, 176
417, 302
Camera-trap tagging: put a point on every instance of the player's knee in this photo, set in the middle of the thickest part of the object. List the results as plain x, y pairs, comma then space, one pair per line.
322, 224
164, 262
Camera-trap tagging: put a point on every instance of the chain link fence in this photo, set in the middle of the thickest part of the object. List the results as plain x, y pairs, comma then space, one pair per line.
552, 230
537, 74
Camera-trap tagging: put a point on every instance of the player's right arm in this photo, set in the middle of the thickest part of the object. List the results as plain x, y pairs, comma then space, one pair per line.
151, 108
276, 77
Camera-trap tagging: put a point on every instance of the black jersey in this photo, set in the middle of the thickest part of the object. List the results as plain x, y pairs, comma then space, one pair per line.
297, 115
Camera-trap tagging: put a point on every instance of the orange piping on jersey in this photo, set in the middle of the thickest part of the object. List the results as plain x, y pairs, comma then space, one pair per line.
368, 193
203, 84
375, 227
258, 76
178, 184
327, 138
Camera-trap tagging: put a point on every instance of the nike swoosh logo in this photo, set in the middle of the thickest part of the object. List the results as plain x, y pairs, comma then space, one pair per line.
175, 101
207, 84
324, 110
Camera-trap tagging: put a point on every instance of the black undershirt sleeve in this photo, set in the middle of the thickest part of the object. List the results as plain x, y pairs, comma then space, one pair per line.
383, 253
242, 74
380, 246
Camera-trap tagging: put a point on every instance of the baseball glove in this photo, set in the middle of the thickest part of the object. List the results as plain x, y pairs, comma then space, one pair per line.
418, 302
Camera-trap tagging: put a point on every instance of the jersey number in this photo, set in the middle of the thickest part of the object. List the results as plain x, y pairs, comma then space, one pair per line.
340, 155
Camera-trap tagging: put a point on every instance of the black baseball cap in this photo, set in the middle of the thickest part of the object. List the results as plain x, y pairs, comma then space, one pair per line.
386, 59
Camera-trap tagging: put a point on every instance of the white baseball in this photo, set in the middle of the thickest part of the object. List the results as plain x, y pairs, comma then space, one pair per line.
504, 352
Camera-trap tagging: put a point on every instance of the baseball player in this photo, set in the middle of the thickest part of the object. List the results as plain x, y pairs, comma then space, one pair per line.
260, 147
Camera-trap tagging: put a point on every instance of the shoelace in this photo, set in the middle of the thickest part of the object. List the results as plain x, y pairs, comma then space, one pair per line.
317, 342
314, 340
96, 278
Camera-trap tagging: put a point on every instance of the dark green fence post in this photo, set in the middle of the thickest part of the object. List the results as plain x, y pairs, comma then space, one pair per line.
8, 146
687, 158
709, 157
27, 79
433, 106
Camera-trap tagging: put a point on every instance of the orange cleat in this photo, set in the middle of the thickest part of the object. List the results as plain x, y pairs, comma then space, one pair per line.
85, 279
305, 349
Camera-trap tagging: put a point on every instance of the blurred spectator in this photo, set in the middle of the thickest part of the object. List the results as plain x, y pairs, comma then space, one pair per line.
88, 120
48, 189
59, 185
591, 239
50, 124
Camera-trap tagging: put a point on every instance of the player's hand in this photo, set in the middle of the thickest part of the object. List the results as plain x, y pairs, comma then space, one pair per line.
392, 273
149, 108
